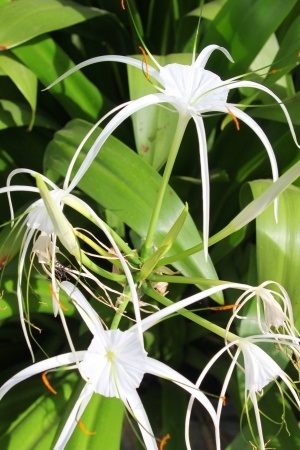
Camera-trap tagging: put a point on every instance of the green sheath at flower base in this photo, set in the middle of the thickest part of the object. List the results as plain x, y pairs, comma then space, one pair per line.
62, 226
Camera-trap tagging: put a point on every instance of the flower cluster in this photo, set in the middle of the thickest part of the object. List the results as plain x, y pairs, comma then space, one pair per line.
116, 360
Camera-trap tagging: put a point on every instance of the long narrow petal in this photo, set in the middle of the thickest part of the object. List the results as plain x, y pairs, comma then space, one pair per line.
42, 366
204, 179
122, 115
206, 52
262, 136
107, 58
140, 415
160, 369
252, 84
24, 247
88, 313
74, 417
148, 322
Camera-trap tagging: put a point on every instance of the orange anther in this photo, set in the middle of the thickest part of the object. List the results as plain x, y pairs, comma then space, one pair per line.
237, 124
222, 308
55, 296
47, 384
145, 61
164, 441
224, 399
82, 427
123, 4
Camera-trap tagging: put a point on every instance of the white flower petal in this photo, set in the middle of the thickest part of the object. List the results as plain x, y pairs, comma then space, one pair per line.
47, 364
128, 110
206, 52
162, 370
204, 179
141, 417
252, 84
88, 314
74, 417
107, 58
115, 363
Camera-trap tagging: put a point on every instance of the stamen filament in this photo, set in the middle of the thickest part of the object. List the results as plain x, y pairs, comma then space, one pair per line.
47, 383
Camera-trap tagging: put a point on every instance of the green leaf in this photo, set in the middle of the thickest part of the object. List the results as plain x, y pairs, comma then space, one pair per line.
17, 114
279, 438
78, 96
122, 182
35, 427
154, 126
287, 56
245, 26
277, 256
165, 245
104, 417
26, 19
23, 78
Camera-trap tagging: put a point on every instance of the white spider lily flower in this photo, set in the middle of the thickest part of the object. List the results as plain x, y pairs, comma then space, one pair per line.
259, 369
193, 92
273, 308
113, 365
45, 216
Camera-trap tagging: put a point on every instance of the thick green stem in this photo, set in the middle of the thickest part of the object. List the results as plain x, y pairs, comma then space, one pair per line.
122, 307
181, 126
148, 289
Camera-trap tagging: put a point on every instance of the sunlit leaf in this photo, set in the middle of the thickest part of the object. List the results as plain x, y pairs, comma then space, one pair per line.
278, 257
27, 19
23, 78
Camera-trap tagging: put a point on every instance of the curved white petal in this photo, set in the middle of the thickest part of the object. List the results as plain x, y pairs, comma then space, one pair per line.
71, 201
252, 84
148, 322
259, 132
130, 109
88, 314
140, 415
107, 58
204, 179
24, 248
74, 417
160, 369
206, 52
42, 366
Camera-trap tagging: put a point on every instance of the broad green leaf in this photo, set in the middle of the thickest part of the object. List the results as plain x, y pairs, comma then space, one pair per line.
122, 182
154, 126
36, 426
287, 56
259, 204
245, 26
104, 417
25, 19
165, 245
278, 257
209, 10
78, 96
288, 437
16, 114
23, 78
